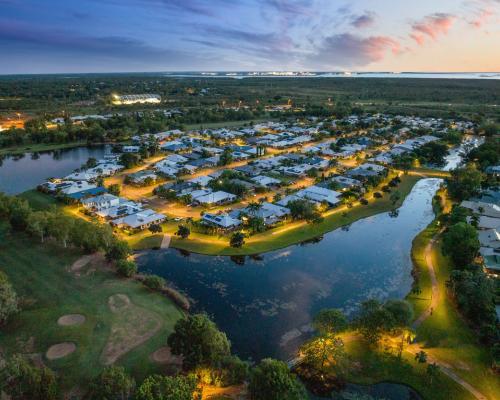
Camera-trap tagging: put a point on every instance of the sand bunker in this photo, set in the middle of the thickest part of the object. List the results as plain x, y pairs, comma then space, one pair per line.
71, 319
118, 302
60, 350
164, 356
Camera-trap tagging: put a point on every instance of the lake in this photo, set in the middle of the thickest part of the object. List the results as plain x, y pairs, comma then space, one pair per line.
24, 172
265, 303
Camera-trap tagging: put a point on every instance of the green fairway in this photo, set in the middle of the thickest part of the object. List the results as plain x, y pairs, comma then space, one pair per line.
42, 277
39, 201
38, 147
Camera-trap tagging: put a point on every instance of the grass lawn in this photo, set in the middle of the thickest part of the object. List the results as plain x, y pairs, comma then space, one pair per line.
41, 277
445, 334
38, 200
378, 366
227, 124
447, 337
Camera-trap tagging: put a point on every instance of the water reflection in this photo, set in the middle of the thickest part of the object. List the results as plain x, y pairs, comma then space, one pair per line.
21, 172
265, 303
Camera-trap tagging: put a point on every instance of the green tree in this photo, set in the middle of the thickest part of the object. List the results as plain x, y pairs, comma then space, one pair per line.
115, 189
461, 243
126, 268
432, 371
38, 223
155, 228
157, 387
330, 321
401, 312
9, 303
183, 231
25, 381
421, 357
113, 384
237, 239
464, 182
272, 380
395, 197
198, 340
325, 352
118, 250
373, 320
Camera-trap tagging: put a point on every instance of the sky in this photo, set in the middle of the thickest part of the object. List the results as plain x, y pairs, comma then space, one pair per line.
68, 36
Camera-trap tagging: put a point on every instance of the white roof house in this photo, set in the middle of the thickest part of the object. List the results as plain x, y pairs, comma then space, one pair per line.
263, 180
122, 210
218, 197
82, 176
140, 220
489, 238
221, 220
77, 186
270, 213
100, 202
201, 180
319, 195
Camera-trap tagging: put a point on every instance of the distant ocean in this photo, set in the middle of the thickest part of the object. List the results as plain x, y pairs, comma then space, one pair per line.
422, 75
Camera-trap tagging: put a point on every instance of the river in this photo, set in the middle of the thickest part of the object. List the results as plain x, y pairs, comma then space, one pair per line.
265, 303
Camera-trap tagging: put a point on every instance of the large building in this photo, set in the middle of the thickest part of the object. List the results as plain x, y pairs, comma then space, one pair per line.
126, 99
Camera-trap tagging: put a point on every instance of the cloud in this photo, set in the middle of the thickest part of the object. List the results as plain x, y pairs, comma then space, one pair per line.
431, 27
364, 20
348, 50
483, 17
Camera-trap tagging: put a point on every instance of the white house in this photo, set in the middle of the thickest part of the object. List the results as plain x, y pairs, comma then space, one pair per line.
214, 198
223, 221
140, 220
100, 202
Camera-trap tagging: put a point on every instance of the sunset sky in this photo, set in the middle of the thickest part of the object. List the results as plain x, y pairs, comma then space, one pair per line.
322, 35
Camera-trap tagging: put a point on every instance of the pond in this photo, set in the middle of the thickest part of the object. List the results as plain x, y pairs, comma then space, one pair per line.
379, 391
265, 303
24, 172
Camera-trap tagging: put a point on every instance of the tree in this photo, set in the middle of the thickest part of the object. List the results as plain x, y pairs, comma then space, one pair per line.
237, 239
395, 197
226, 157
183, 231
118, 250
330, 321
126, 268
25, 381
198, 340
272, 380
114, 189
373, 320
38, 224
401, 312
113, 384
325, 351
130, 160
154, 282
157, 387
461, 243
464, 182
9, 302
421, 357
432, 371
155, 228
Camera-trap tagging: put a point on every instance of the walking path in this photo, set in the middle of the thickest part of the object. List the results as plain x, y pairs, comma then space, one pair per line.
165, 243
434, 302
434, 283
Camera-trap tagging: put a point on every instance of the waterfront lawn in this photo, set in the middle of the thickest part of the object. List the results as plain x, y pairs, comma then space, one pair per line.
48, 289
295, 232
375, 365
39, 201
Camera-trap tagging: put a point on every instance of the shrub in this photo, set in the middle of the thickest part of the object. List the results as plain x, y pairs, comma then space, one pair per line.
154, 282
126, 268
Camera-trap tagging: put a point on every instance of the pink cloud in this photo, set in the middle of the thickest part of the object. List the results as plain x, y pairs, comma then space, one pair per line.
348, 50
482, 17
431, 27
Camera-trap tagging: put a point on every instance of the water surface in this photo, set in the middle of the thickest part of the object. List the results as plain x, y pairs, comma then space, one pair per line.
265, 303
24, 172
